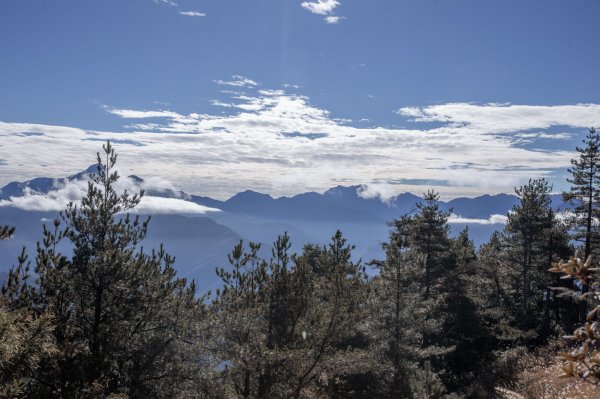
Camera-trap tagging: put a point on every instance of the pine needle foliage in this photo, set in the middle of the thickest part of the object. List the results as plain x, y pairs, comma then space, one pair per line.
26, 338
6, 232
399, 318
284, 322
584, 193
123, 322
526, 236
430, 237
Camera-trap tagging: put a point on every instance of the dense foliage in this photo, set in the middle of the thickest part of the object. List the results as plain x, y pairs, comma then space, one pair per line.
435, 319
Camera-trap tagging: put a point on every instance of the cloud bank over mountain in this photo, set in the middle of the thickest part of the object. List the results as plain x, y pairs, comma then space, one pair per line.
64, 192
278, 141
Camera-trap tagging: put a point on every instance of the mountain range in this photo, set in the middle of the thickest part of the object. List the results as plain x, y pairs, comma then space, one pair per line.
201, 241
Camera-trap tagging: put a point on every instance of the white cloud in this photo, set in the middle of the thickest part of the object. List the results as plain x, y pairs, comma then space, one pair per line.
192, 13
166, 2
237, 81
136, 114
324, 7
281, 143
333, 19
55, 200
493, 219
159, 205
382, 192
499, 118
73, 191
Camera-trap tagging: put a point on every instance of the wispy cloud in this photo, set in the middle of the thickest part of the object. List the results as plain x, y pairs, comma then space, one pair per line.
237, 81
281, 143
138, 114
172, 3
166, 2
505, 117
333, 19
192, 13
324, 7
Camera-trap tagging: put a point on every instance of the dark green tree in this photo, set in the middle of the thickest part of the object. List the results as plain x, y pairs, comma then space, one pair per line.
469, 364
429, 236
585, 192
283, 324
526, 236
399, 320
26, 338
558, 311
584, 195
124, 324
496, 293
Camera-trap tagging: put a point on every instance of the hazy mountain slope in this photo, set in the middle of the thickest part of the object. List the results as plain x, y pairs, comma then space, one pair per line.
202, 242
40, 184
482, 207
198, 243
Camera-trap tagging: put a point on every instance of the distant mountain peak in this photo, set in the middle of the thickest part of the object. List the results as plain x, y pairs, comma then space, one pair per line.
92, 168
249, 194
343, 190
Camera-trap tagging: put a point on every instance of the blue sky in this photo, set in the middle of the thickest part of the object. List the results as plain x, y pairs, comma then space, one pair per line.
284, 96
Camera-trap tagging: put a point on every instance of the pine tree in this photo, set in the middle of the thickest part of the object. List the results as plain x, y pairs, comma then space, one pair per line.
585, 192
26, 338
283, 324
497, 292
585, 196
123, 321
399, 316
557, 246
526, 233
469, 362
26, 342
238, 308
430, 237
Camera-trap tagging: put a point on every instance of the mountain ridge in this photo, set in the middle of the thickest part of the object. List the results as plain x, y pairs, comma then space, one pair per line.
201, 242
337, 201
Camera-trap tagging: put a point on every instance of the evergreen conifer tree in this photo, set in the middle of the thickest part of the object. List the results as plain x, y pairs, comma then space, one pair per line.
469, 363
585, 196
585, 192
26, 338
429, 236
283, 324
123, 322
526, 236
399, 317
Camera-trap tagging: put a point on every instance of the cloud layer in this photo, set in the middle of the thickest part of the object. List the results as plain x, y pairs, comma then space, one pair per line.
493, 219
278, 142
74, 190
